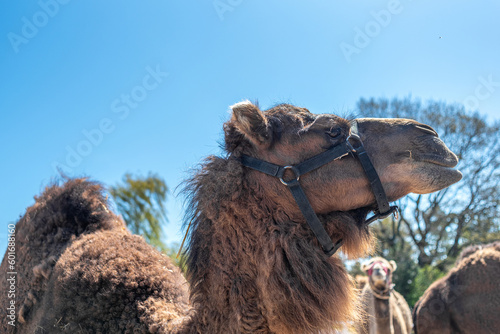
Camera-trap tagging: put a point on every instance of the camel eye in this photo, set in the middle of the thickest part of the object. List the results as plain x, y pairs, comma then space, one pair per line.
334, 132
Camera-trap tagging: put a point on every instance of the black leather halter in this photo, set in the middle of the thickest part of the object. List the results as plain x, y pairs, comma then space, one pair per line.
353, 145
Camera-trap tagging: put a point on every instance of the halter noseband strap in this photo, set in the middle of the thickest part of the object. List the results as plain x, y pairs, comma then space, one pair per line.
356, 149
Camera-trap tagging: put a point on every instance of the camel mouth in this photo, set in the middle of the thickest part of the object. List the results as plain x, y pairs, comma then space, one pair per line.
443, 165
434, 151
449, 161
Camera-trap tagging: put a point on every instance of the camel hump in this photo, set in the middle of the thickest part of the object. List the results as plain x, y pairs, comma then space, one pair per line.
75, 207
468, 251
59, 216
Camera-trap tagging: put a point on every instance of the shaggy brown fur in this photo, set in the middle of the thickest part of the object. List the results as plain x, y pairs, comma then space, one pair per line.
385, 310
253, 265
81, 271
467, 299
263, 269
474, 248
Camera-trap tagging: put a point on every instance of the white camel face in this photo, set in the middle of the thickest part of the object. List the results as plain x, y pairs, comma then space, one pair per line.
379, 270
379, 273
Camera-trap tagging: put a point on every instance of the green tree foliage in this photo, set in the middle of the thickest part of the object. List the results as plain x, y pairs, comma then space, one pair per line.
432, 229
141, 202
424, 277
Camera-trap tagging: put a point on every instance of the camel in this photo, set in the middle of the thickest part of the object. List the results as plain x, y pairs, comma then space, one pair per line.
361, 281
386, 311
467, 299
253, 263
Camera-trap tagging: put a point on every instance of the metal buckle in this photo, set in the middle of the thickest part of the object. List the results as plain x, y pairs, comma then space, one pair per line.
357, 139
393, 210
292, 181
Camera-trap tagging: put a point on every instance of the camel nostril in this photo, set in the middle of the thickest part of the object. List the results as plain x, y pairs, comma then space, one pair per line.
427, 129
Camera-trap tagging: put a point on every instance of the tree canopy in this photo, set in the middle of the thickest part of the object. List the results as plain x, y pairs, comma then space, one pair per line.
141, 202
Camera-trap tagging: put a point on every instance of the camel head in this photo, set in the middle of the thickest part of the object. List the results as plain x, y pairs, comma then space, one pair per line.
408, 156
379, 272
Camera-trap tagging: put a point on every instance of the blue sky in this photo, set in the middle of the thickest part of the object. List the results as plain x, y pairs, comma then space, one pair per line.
105, 88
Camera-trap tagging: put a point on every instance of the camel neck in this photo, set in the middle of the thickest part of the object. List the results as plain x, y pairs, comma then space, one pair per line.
381, 294
253, 267
278, 284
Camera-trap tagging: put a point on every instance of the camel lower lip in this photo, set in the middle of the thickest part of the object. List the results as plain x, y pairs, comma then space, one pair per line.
455, 172
447, 169
442, 176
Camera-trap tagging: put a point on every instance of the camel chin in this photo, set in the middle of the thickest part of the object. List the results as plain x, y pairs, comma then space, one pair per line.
417, 178
430, 177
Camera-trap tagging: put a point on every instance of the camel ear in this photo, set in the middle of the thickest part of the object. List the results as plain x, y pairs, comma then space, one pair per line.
365, 265
251, 122
393, 265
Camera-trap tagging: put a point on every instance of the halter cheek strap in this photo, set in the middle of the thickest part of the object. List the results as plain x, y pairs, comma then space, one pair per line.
352, 145
298, 193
